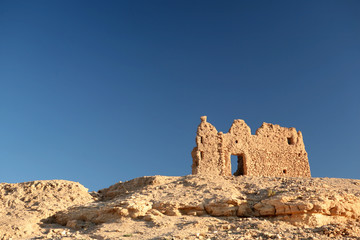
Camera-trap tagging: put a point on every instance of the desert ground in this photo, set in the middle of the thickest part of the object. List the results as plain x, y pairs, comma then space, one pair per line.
187, 207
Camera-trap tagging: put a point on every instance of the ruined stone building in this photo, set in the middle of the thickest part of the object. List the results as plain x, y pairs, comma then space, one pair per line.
272, 151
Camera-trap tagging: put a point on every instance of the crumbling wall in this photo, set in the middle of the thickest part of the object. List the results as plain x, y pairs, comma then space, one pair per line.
206, 155
272, 151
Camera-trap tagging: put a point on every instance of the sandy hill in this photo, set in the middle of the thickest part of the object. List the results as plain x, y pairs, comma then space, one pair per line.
189, 207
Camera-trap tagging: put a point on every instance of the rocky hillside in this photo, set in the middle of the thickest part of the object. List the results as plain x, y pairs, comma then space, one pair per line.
189, 207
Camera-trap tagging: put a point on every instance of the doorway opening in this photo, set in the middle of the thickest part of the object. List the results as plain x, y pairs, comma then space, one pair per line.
237, 164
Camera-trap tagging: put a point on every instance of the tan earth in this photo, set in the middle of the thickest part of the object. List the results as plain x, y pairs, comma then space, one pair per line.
189, 207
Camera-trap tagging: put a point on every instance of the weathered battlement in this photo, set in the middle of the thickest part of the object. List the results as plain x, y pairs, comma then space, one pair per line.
272, 151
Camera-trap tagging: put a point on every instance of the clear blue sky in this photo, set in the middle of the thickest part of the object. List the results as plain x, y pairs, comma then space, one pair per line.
105, 91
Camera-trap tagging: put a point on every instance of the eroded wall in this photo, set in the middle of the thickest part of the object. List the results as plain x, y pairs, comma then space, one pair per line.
272, 151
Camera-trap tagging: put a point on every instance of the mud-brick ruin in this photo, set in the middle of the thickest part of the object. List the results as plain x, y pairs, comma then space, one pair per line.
272, 151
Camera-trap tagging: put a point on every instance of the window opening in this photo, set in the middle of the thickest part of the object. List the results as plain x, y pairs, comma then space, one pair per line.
290, 141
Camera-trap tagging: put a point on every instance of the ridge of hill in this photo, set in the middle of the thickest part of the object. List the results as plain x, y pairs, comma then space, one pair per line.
188, 207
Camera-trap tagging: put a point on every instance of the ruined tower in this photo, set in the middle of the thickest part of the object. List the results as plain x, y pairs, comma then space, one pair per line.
272, 151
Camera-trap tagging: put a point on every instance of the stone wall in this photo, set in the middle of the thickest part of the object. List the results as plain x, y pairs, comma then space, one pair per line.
272, 151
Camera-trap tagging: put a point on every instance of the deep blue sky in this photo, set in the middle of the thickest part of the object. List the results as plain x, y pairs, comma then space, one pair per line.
106, 91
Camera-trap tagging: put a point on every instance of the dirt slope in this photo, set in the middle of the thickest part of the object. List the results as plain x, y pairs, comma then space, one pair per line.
24, 205
189, 207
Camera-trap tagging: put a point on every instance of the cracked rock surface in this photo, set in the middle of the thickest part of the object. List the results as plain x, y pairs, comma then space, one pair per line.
188, 207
